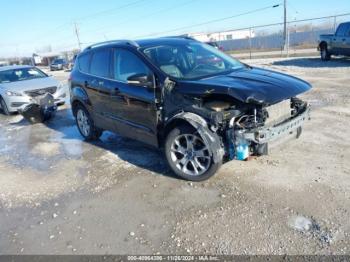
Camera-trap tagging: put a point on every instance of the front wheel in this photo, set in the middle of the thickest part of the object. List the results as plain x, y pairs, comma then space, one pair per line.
86, 125
4, 107
188, 155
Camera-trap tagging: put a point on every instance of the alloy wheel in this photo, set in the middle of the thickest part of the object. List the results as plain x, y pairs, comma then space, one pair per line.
190, 154
83, 122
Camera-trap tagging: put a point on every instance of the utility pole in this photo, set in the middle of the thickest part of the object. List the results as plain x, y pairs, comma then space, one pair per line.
76, 31
285, 26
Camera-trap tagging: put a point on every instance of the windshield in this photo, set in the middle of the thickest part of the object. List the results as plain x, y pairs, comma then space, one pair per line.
14, 75
191, 60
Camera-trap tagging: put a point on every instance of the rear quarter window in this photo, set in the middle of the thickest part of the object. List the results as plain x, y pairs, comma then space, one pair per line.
84, 62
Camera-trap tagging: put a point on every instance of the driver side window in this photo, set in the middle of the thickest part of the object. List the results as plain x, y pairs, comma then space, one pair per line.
127, 64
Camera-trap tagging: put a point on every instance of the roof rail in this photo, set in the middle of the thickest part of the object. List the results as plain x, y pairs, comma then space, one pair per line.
127, 42
181, 36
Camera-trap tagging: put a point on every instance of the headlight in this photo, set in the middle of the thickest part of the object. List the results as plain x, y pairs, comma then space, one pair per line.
11, 93
60, 86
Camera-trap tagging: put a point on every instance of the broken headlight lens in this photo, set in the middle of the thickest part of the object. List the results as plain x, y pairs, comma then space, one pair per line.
11, 93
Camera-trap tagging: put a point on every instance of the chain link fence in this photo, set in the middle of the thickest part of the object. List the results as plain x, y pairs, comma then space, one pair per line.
302, 37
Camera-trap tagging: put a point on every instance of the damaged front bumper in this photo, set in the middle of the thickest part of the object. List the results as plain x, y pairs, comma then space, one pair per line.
264, 135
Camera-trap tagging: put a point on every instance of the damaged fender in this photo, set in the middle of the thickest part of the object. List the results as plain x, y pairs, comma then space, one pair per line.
209, 137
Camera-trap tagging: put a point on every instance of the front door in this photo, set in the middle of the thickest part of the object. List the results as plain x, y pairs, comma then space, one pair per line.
339, 40
133, 107
346, 41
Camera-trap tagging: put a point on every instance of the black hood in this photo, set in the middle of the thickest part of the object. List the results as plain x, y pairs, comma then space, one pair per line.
249, 85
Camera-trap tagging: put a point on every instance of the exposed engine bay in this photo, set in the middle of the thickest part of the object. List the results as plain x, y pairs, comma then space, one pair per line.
237, 124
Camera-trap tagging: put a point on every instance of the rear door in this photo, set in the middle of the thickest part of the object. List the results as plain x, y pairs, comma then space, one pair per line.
99, 87
133, 107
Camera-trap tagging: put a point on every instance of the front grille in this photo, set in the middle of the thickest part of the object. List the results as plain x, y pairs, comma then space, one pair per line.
279, 112
42, 91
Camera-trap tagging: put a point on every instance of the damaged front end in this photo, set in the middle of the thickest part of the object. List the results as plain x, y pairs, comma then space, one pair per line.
250, 134
233, 129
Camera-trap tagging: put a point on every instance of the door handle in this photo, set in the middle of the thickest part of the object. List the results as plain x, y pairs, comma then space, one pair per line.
344, 39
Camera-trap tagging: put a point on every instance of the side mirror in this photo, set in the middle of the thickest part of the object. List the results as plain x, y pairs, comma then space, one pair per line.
141, 80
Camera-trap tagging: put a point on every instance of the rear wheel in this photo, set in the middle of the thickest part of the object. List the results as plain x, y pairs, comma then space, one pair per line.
4, 107
86, 125
325, 55
188, 155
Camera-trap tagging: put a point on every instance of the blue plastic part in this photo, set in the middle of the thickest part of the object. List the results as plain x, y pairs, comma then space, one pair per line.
242, 152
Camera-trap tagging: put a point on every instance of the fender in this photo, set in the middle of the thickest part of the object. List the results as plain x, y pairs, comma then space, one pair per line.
209, 137
79, 94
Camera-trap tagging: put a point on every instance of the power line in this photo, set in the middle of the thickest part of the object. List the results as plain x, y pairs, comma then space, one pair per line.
66, 25
144, 16
211, 21
94, 15
288, 22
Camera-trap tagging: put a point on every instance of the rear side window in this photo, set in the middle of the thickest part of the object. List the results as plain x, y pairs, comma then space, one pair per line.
83, 62
127, 64
100, 63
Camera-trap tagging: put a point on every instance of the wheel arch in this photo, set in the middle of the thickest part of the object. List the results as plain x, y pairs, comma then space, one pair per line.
201, 125
323, 44
79, 97
75, 103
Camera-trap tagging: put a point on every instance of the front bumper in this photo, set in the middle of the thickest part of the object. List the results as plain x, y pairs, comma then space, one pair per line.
267, 134
14, 103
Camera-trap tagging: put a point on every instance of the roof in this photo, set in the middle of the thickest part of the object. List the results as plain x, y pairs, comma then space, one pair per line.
143, 42
12, 67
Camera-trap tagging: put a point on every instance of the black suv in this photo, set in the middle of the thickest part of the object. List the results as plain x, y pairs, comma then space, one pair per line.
200, 105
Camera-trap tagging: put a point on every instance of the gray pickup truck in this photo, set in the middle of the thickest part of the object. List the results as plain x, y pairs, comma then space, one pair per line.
338, 44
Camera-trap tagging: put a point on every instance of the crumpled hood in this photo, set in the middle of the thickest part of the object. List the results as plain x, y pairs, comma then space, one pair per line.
28, 85
249, 85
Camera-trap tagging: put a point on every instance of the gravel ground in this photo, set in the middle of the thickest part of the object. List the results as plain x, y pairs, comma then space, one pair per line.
60, 195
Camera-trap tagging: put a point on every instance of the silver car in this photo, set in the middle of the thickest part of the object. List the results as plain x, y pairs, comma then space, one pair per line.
20, 84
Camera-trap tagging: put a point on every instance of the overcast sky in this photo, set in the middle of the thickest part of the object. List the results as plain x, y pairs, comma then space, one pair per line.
27, 26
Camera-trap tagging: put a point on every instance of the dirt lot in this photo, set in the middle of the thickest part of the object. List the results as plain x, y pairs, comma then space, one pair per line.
60, 195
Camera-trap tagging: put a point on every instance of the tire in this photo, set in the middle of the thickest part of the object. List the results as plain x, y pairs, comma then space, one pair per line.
325, 55
4, 107
86, 125
181, 146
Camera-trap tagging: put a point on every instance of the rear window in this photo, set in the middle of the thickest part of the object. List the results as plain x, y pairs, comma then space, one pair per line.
83, 62
100, 63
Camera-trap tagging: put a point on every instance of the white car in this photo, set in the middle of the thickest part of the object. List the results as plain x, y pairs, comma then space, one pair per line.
20, 84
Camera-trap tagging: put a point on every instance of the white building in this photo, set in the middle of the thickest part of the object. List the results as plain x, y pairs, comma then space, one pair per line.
222, 36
